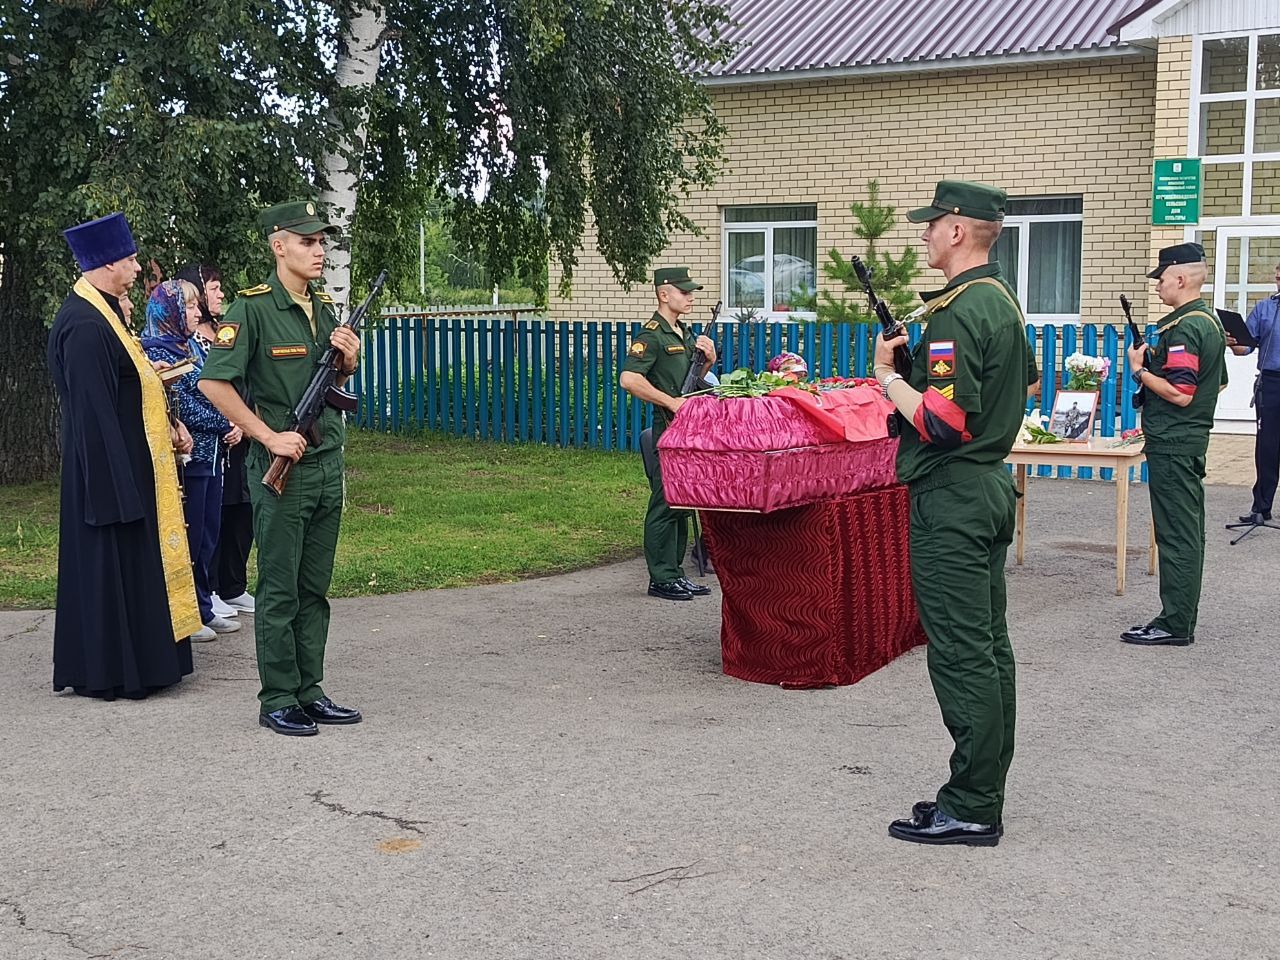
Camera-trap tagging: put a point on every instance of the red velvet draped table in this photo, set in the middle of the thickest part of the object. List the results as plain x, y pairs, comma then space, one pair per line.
815, 595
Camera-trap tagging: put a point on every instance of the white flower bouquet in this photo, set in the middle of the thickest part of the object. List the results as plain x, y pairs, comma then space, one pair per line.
1085, 372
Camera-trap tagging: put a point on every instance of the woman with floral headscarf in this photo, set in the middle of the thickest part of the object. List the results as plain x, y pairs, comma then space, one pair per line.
228, 570
172, 314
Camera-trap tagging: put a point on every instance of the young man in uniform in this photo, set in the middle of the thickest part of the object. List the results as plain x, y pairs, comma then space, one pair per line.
267, 346
653, 372
962, 407
1188, 370
1262, 323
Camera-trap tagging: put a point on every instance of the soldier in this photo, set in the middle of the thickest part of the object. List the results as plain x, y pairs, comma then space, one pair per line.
961, 409
1262, 323
653, 372
1188, 370
268, 345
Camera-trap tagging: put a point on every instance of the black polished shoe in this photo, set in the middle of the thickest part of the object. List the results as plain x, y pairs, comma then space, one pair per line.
325, 710
291, 721
671, 590
696, 589
1150, 636
934, 826
924, 810
1255, 517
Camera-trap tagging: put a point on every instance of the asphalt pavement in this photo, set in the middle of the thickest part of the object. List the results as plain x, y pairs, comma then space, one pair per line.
558, 769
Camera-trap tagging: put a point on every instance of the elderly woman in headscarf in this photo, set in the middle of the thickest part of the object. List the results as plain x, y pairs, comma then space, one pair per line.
172, 314
228, 571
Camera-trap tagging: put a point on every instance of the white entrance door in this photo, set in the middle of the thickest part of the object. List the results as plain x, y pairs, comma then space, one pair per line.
1244, 273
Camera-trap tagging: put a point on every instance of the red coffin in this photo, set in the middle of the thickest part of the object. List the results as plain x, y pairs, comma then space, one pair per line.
787, 449
817, 595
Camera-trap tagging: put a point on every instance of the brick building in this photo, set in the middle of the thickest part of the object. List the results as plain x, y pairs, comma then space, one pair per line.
1065, 105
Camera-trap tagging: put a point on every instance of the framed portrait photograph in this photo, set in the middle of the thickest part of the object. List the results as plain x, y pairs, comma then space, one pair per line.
1073, 413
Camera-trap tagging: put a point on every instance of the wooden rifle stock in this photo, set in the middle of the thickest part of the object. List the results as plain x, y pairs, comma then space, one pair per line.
889, 326
321, 392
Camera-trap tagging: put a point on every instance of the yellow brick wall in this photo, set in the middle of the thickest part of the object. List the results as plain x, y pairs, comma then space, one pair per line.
1172, 113
1082, 129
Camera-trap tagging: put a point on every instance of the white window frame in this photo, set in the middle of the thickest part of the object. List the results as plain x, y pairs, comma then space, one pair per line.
767, 226
1023, 223
1250, 95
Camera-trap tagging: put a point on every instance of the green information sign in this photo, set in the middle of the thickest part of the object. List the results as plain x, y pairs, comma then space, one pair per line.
1175, 195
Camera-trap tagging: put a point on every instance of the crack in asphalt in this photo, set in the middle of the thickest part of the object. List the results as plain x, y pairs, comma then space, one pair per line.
401, 822
31, 629
24, 924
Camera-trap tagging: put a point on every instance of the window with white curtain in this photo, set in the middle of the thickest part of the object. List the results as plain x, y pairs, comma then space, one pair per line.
770, 258
1039, 254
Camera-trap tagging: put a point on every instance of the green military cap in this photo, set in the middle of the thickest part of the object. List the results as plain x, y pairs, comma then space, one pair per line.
1178, 253
678, 277
296, 216
963, 198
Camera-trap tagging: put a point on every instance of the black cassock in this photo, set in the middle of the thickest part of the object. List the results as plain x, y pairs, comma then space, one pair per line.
112, 636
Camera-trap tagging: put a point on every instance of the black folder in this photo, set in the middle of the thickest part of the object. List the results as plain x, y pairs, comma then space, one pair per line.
1234, 324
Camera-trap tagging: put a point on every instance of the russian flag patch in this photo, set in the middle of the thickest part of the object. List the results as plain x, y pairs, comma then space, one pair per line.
942, 358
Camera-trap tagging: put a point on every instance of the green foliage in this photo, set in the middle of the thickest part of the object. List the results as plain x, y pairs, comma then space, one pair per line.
891, 277
519, 117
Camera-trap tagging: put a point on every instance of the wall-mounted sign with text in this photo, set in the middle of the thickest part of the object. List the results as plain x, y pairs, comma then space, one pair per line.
1175, 194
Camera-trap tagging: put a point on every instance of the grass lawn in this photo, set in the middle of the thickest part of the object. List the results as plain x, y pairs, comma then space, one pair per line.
426, 511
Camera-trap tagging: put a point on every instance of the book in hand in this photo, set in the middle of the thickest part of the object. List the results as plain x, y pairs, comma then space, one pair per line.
180, 369
1234, 324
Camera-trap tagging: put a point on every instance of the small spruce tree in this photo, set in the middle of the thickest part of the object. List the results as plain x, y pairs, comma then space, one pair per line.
890, 276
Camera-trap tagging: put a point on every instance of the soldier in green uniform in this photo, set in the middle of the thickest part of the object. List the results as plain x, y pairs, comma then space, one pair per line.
268, 344
961, 408
654, 371
1188, 370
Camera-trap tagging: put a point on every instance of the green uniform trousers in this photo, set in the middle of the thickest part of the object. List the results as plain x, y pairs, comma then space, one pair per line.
1176, 485
666, 531
297, 534
959, 536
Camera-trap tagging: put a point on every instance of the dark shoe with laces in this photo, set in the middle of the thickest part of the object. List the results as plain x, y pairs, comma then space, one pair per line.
290, 721
671, 590
933, 826
325, 710
1151, 636
697, 589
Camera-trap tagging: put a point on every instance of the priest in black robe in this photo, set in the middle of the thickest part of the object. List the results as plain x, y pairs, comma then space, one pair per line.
126, 598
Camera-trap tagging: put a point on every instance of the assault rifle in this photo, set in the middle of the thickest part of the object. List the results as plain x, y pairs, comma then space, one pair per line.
321, 392
889, 326
1138, 341
693, 380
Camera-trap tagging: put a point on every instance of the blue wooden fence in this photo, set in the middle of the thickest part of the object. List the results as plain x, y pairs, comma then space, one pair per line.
529, 380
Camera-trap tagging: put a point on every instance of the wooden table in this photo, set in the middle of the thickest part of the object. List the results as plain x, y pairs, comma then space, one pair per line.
1096, 454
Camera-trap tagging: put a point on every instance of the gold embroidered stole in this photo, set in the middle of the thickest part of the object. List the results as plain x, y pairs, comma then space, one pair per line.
183, 612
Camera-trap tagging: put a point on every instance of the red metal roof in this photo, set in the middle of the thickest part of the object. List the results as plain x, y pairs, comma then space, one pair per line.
786, 35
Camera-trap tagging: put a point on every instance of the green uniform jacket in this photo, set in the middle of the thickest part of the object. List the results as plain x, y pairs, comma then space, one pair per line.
974, 353
1191, 354
265, 343
662, 357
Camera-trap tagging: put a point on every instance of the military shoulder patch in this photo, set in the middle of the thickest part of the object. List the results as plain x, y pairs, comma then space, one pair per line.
638, 348
650, 325
948, 392
226, 336
942, 359
324, 297
256, 291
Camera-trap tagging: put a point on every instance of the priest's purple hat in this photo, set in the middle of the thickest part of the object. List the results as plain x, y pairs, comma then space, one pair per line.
101, 241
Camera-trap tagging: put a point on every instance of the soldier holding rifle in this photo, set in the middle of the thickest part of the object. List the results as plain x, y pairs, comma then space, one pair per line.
657, 364
269, 343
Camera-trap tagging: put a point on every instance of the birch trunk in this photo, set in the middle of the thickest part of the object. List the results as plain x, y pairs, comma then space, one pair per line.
357, 69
